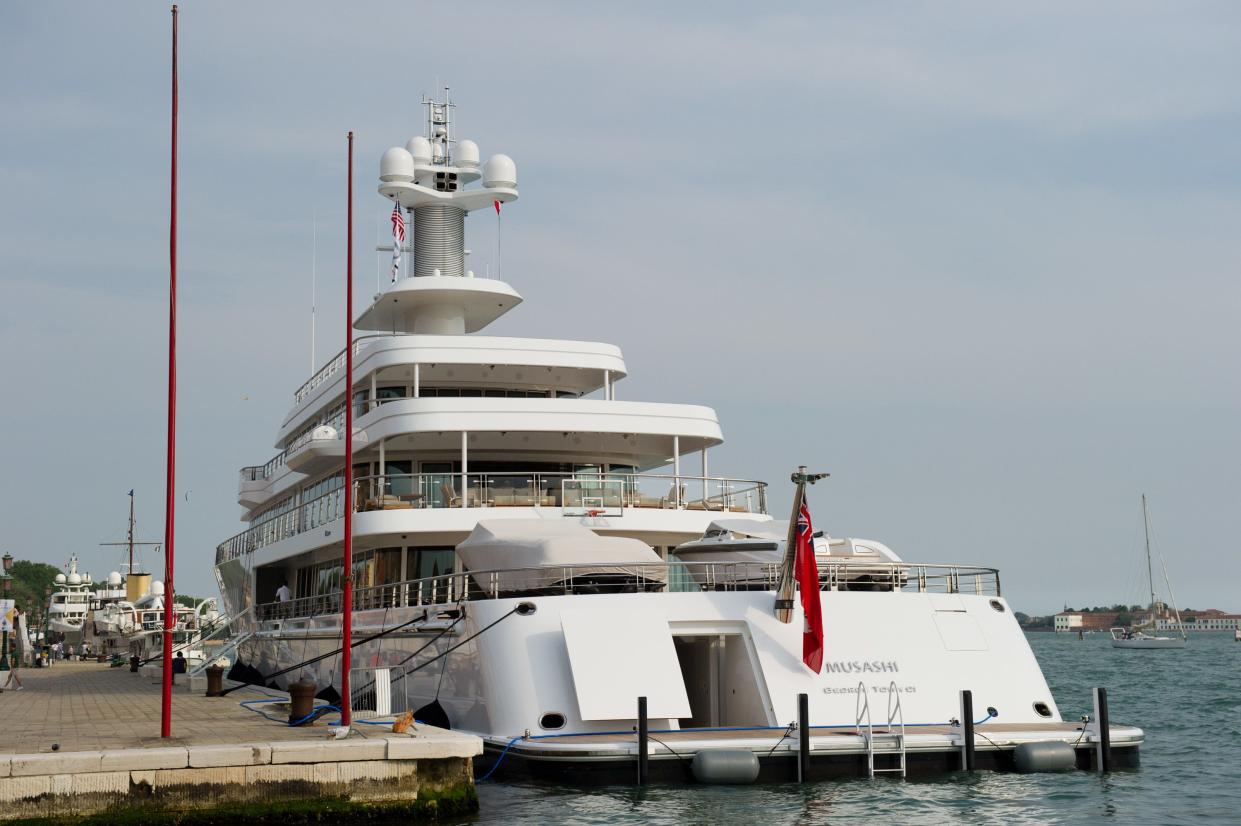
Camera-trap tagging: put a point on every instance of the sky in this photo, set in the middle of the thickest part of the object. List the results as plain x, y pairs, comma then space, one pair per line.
979, 261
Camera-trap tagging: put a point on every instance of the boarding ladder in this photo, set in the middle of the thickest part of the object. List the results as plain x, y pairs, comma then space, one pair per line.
891, 741
229, 648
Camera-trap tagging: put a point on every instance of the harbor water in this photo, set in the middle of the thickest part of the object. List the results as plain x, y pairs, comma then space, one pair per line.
1187, 701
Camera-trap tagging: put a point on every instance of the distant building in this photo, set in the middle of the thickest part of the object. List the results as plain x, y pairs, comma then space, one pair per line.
1068, 621
1211, 619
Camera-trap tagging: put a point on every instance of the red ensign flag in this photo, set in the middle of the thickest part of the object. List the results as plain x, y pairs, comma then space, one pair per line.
497, 206
808, 583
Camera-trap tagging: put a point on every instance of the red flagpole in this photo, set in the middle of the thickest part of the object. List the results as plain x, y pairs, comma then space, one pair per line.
346, 658
170, 612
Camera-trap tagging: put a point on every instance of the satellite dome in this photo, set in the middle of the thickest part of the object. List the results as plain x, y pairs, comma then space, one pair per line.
75, 578
396, 165
157, 588
467, 154
60, 579
420, 149
114, 578
500, 171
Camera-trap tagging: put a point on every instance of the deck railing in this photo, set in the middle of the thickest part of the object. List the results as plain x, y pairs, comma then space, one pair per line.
576, 494
664, 577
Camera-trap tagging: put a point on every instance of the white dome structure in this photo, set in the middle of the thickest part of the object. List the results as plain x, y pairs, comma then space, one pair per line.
419, 149
114, 579
157, 588
396, 165
60, 579
466, 155
75, 579
500, 171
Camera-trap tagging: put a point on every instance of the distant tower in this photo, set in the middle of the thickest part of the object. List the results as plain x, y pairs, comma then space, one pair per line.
429, 179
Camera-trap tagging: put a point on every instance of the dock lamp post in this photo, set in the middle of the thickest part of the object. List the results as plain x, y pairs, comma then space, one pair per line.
47, 621
8, 587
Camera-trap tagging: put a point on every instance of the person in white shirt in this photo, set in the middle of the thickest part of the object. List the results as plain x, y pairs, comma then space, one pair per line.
283, 594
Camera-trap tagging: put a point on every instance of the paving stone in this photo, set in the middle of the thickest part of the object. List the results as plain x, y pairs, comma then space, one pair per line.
155, 758
27, 765
241, 755
303, 752
434, 745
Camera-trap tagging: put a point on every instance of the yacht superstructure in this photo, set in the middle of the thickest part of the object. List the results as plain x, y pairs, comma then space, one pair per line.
532, 554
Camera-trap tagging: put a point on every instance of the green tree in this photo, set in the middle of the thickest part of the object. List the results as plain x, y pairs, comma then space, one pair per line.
30, 580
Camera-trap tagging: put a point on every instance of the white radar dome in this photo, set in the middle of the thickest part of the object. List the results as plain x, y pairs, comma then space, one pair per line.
467, 154
420, 149
396, 165
114, 578
157, 588
75, 579
500, 171
60, 579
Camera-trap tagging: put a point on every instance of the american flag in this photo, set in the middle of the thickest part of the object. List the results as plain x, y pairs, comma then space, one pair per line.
398, 239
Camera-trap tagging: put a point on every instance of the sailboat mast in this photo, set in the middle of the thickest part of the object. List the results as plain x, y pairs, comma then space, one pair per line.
130, 539
1150, 574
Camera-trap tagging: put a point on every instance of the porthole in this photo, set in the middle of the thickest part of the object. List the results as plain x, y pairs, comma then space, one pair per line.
1041, 709
552, 720
525, 609
997, 605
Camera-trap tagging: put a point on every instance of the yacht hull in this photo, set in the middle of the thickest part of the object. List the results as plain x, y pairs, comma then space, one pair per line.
1150, 642
500, 674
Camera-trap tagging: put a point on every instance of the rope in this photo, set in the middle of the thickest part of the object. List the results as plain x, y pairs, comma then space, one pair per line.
332, 653
668, 747
431, 642
499, 760
787, 732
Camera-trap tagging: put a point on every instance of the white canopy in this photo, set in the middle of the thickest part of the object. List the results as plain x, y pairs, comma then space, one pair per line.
740, 527
507, 544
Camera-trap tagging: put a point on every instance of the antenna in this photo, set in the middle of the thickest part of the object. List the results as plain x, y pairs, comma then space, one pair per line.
314, 261
439, 128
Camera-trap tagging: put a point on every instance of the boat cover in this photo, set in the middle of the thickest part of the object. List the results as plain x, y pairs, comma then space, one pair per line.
527, 544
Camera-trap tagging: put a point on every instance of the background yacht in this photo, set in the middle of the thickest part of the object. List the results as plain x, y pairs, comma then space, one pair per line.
70, 603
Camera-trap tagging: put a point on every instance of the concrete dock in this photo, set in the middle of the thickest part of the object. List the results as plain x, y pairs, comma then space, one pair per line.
81, 744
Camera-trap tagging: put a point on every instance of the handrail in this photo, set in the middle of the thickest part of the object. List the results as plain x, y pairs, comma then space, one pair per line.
537, 489
580, 578
333, 366
861, 708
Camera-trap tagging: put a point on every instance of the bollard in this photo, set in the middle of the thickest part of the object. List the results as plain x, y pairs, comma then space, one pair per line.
803, 738
215, 680
302, 695
1103, 750
133, 664
967, 730
642, 744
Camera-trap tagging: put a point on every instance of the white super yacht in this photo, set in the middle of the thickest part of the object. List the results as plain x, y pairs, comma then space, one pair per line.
70, 602
533, 552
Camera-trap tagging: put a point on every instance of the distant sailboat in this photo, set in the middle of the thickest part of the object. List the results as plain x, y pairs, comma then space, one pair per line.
1135, 637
